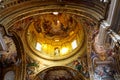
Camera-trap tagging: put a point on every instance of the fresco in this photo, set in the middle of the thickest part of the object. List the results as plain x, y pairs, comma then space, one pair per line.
9, 57
32, 67
52, 25
80, 64
102, 61
59, 73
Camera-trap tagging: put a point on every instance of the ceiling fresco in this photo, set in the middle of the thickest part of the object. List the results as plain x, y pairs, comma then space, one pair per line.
55, 34
54, 40
51, 27
59, 73
58, 35
55, 25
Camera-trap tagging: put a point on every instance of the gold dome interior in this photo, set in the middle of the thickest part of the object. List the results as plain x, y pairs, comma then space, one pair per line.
55, 35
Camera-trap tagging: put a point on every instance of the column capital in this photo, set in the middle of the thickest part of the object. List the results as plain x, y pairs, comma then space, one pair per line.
105, 24
104, 1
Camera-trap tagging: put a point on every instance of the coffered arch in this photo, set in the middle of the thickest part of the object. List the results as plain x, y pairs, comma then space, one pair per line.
14, 13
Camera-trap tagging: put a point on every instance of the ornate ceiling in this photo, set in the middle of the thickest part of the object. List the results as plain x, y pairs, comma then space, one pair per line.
52, 27
52, 36
59, 73
57, 35
51, 33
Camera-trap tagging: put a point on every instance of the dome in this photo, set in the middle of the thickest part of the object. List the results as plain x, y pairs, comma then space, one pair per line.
55, 35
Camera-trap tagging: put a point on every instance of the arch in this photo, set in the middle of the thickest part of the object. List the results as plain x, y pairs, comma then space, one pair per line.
30, 10
18, 67
59, 72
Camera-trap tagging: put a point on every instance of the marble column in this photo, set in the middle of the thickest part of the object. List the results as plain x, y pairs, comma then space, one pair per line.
102, 33
106, 23
2, 43
111, 12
